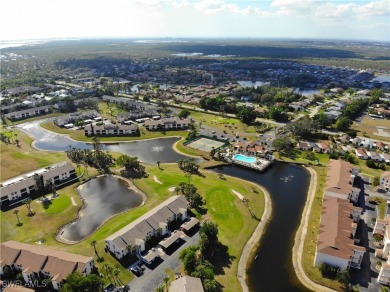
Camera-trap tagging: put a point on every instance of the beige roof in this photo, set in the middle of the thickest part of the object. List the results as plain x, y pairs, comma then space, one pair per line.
151, 255
386, 175
338, 179
34, 258
186, 284
8, 255
188, 225
139, 228
171, 239
17, 288
335, 233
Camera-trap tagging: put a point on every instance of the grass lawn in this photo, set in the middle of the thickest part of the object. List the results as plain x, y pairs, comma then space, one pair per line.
312, 234
381, 206
220, 124
364, 169
104, 110
17, 160
298, 157
224, 208
368, 128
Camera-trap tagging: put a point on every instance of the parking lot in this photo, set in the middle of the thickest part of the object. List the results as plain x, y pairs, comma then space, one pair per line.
153, 275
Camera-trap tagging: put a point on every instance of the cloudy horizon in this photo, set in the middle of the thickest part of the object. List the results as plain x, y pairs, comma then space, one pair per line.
275, 19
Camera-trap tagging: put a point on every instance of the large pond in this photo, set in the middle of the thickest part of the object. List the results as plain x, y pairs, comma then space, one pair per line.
104, 197
148, 151
288, 185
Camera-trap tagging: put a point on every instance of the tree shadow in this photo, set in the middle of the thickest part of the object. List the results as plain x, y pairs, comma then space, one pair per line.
221, 258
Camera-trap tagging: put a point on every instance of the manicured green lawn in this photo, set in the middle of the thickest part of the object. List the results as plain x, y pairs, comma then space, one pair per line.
382, 206
17, 160
58, 205
310, 244
298, 157
224, 208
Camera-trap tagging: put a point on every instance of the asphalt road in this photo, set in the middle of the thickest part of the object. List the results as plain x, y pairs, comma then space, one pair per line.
150, 279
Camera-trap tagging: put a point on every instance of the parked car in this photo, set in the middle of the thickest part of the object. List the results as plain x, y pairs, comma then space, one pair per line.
136, 270
110, 287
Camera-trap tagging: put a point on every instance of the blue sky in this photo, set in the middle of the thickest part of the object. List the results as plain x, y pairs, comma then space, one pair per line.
335, 19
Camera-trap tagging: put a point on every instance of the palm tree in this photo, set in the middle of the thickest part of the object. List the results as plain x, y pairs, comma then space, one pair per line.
166, 279
108, 269
158, 164
116, 274
159, 288
16, 211
28, 201
93, 244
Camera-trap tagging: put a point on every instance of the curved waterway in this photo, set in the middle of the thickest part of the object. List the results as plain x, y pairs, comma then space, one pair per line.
288, 185
148, 151
104, 197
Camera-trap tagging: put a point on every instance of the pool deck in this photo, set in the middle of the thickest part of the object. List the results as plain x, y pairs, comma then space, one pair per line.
258, 167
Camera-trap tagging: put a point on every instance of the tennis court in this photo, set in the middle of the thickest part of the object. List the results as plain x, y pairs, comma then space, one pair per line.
205, 144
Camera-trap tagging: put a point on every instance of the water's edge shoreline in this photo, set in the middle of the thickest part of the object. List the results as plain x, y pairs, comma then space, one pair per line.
300, 237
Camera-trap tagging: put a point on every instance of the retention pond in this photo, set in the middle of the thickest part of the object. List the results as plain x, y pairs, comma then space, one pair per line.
103, 197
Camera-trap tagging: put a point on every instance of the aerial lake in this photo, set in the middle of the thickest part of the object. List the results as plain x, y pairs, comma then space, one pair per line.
148, 151
104, 197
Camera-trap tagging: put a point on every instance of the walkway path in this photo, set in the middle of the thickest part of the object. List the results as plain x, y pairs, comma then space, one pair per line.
300, 239
253, 241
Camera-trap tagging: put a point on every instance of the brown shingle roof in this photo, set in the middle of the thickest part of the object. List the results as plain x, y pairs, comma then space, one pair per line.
34, 258
335, 233
186, 284
8, 255
338, 179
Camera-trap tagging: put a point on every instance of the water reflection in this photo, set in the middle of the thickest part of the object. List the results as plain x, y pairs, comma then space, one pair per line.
148, 151
273, 269
104, 197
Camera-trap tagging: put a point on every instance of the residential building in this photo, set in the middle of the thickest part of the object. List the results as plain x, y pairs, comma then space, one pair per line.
37, 262
339, 219
150, 224
73, 117
361, 153
23, 185
111, 130
167, 124
340, 179
251, 148
384, 181
382, 227
24, 114
129, 103
305, 145
186, 284
335, 244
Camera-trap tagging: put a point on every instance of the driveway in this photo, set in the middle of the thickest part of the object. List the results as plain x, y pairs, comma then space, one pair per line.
150, 279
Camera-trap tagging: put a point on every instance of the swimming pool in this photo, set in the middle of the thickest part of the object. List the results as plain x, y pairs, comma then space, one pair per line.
244, 158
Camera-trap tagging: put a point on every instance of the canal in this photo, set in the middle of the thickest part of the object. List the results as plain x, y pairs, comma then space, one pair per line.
287, 185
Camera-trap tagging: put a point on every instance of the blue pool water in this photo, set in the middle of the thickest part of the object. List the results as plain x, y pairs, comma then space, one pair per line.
244, 158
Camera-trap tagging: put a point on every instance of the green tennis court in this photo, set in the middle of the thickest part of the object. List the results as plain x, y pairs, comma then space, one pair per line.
205, 144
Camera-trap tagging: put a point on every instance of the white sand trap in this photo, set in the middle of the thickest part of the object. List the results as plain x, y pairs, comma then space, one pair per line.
73, 201
156, 180
241, 197
172, 189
